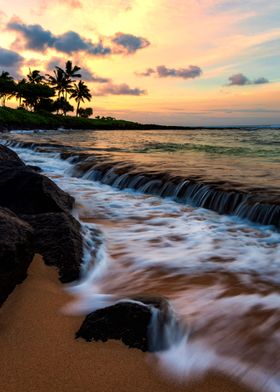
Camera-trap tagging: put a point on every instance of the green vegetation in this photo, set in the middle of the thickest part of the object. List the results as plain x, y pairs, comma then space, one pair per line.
23, 119
11, 119
43, 102
50, 93
80, 92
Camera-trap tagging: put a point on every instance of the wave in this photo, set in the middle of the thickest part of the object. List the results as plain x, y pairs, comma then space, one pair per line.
238, 151
259, 205
221, 275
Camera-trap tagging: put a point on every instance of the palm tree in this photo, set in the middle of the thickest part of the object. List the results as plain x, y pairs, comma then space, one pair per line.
70, 72
6, 76
62, 105
35, 94
80, 92
19, 94
34, 76
85, 113
7, 87
59, 82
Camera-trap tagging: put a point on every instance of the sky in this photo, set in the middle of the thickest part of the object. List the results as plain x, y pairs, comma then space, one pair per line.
176, 62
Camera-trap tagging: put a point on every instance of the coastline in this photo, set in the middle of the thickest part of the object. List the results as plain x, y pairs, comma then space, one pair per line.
68, 364
255, 202
14, 119
39, 352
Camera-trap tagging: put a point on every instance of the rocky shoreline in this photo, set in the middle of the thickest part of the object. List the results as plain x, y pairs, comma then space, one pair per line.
35, 217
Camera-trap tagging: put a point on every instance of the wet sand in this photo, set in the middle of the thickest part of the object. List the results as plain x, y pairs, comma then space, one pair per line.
39, 352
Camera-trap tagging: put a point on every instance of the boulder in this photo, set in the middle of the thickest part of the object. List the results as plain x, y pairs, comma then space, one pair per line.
141, 322
41, 203
58, 239
25, 191
6, 154
16, 251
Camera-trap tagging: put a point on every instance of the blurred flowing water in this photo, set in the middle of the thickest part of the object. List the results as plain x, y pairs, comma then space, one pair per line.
220, 272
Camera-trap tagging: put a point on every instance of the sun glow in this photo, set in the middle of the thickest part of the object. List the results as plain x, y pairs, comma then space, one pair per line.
119, 40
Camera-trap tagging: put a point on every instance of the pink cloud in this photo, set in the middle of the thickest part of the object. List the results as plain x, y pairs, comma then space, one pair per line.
45, 4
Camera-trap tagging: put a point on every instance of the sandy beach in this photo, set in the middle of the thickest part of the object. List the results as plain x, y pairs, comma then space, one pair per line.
39, 352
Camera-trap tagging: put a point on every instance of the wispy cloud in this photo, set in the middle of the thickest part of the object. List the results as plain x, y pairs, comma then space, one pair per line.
9, 58
119, 89
191, 72
242, 80
223, 38
92, 77
128, 43
118, 5
76, 4
86, 73
10, 61
35, 37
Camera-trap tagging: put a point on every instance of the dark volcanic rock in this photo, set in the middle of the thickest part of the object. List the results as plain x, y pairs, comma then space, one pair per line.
24, 191
131, 322
7, 154
16, 251
34, 168
41, 203
58, 239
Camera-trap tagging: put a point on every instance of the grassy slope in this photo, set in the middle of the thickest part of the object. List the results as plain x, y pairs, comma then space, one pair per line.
21, 119
11, 119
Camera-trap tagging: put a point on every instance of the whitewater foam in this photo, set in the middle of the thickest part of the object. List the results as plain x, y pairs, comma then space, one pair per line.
220, 273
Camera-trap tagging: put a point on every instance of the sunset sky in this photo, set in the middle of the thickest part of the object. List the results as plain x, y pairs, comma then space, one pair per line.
184, 62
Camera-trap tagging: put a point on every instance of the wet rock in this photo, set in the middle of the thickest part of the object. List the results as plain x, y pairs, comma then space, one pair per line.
58, 239
140, 323
6, 154
11, 164
25, 191
41, 203
34, 168
16, 251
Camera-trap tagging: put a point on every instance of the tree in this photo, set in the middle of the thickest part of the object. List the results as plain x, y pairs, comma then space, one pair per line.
33, 93
80, 92
85, 113
36, 91
7, 87
62, 105
70, 70
59, 82
19, 89
69, 73
46, 105
34, 76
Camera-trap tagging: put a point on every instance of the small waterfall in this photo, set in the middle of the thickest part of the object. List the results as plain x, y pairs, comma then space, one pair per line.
165, 330
220, 197
181, 351
264, 213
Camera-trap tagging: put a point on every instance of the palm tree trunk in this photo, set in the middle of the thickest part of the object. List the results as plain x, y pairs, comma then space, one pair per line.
77, 110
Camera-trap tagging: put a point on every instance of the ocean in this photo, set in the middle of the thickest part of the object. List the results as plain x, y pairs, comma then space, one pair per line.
191, 215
